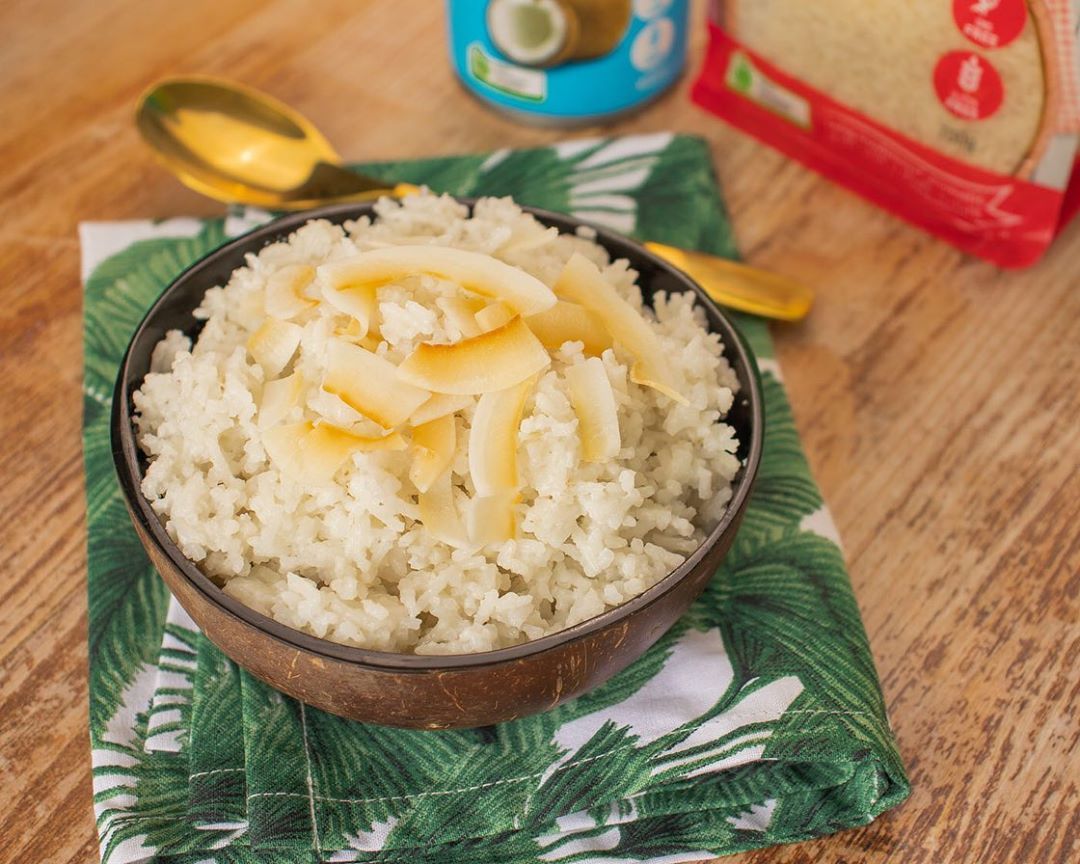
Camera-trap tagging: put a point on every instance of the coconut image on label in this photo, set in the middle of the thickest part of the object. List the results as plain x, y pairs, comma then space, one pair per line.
547, 33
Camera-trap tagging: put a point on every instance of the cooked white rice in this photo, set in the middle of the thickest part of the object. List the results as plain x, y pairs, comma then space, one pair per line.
349, 561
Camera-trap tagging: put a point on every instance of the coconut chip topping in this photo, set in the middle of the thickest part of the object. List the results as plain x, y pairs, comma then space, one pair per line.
493, 365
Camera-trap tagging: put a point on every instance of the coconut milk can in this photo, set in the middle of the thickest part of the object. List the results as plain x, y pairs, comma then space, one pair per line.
567, 62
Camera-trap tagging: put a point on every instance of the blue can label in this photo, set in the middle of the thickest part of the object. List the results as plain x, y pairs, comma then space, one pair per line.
568, 58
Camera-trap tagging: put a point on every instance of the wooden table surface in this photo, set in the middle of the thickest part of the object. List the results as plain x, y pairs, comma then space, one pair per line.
937, 398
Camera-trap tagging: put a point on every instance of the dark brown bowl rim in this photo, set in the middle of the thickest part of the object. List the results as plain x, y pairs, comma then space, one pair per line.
126, 460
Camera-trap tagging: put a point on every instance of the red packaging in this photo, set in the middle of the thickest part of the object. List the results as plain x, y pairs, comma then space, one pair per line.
1007, 217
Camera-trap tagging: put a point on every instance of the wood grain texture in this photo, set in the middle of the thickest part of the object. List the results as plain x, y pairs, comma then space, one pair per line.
936, 395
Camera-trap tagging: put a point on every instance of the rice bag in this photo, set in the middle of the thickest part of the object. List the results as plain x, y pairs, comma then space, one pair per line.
960, 116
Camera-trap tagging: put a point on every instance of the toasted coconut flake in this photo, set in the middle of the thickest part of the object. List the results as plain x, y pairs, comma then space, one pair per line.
460, 313
357, 301
434, 443
570, 322
438, 513
581, 282
325, 448
327, 445
492, 518
594, 404
493, 439
328, 432
278, 397
368, 383
286, 295
282, 444
528, 238
474, 271
369, 342
272, 346
491, 361
352, 332
439, 405
313, 454
493, 316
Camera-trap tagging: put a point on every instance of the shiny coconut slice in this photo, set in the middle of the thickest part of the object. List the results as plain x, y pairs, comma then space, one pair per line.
273, 345
582, 283
438, 513
357, 301
286, 295
461, 312
495, 315
478, 273
313, 454
282, 444
493, 439
492, 518
434, 443
439, 405
278, 397
491, 361
594, 403
366, 382
353, 332
327, 443
524, 238
570, 322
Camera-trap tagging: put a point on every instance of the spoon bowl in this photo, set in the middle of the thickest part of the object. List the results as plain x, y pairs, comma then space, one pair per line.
238, 145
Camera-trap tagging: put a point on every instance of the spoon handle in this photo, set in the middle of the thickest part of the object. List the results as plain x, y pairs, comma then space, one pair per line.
739, 286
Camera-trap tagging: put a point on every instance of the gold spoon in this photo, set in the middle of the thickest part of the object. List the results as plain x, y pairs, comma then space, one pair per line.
238, 145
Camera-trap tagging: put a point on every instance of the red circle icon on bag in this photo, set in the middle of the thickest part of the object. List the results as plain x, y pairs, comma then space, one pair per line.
990, 23
968, 85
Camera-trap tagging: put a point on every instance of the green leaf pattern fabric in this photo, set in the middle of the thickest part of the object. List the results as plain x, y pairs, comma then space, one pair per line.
758, 719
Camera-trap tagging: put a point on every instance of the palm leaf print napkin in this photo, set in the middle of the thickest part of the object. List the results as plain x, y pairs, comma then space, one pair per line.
758, 719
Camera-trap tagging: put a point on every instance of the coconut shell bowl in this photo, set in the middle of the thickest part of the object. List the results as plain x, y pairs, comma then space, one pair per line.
407, 690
